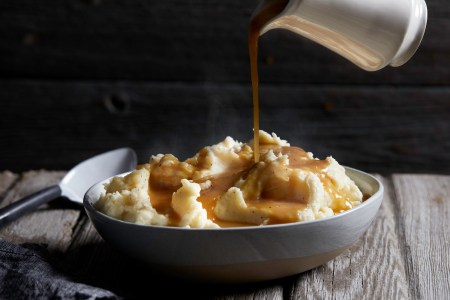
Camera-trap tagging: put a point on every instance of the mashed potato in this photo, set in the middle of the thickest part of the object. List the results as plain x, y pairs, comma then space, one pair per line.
221, 186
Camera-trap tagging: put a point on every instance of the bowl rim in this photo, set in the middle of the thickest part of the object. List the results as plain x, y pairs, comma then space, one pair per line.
104, 217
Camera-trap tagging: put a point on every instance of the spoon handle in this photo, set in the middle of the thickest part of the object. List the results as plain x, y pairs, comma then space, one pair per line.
18, 208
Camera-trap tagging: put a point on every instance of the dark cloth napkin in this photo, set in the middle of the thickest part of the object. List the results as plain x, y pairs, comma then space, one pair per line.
28, 271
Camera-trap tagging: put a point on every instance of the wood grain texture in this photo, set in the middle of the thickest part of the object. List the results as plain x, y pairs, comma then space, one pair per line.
403, 255
424, 216
375, 129
7, 179
48, 226
189, 41
31, 182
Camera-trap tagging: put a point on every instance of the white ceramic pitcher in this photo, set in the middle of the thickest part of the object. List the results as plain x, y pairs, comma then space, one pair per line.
370, 33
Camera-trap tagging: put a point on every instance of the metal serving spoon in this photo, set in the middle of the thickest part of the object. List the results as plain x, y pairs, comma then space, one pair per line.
75, 183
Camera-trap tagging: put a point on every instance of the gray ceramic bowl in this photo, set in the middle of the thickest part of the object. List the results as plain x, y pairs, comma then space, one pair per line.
240, 254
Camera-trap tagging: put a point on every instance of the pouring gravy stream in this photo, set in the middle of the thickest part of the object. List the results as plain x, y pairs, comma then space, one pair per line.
269, 10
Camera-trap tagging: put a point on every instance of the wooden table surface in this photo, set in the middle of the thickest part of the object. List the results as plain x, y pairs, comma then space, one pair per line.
403, 255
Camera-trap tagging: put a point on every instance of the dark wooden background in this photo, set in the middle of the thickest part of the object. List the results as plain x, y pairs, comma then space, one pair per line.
81, 77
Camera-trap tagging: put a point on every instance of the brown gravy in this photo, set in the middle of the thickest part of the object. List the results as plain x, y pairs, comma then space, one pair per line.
161, 196
279, 210
269, 10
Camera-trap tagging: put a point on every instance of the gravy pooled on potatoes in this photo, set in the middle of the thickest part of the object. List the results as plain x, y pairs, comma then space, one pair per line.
222, 186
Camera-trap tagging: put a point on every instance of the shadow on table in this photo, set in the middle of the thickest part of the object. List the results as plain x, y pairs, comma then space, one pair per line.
102, 266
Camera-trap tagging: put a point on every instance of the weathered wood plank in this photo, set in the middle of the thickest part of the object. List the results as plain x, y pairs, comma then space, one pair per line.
423, 207
371, 269
45, 225
84, 234
186, 41
376, 129
31, 182
7, 179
